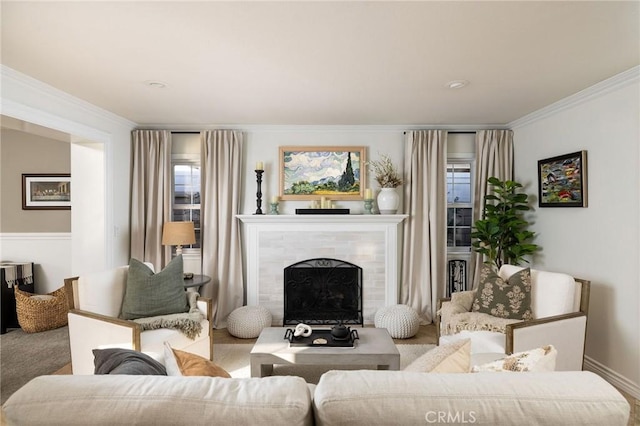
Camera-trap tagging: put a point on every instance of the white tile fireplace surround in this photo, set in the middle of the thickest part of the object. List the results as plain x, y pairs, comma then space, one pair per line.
273, 242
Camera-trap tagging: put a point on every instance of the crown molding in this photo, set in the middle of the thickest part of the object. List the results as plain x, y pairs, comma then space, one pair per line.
10, 76
606, 86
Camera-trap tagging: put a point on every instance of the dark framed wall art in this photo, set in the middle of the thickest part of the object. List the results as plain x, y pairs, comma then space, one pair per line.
310, 172
562, 180
46, 191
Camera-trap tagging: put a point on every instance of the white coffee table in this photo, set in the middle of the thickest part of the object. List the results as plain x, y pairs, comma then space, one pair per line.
374, 347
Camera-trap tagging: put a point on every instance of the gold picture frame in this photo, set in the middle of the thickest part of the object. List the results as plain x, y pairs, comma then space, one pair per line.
311, 172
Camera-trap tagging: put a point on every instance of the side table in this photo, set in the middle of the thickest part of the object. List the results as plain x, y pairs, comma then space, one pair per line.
194, 284
13, 275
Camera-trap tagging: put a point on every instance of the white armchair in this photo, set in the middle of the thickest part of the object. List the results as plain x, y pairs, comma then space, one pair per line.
559, 304
95, 302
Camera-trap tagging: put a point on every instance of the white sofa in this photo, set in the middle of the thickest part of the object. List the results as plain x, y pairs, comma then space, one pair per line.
96, 301
353, 398
559, 304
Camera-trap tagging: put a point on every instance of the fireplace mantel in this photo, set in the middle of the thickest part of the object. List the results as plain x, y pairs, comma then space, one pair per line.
322, 218
273, 242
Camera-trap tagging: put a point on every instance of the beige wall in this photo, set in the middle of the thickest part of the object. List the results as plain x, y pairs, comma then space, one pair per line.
26, 153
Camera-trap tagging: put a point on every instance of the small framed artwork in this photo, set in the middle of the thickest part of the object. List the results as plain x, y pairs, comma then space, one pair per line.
562, 180
309, 172
46, 191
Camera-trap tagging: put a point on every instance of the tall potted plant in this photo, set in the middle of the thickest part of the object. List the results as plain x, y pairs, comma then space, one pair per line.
501, 235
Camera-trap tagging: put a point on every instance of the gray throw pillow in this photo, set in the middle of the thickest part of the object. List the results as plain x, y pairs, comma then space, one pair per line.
126, 361
148, 294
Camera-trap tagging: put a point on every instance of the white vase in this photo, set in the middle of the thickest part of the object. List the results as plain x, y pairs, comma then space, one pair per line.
388, 201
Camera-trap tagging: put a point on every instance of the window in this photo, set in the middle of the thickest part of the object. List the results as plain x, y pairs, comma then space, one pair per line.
461, 147
186, 195
459, 206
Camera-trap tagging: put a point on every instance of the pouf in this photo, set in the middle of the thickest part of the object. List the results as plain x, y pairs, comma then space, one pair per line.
401, 321
247, 322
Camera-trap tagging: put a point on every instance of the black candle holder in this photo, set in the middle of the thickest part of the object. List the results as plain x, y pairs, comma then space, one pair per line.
259, 192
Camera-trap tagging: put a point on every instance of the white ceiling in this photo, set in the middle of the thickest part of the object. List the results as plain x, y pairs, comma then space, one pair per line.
321, 62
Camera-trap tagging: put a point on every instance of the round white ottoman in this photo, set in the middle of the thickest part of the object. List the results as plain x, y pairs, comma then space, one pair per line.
401, 321
247, 322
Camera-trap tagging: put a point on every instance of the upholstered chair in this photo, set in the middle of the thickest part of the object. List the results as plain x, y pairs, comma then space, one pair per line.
559, 307
94, 322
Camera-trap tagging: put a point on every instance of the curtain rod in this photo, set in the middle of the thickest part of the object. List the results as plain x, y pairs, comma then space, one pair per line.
188, 132
461, 132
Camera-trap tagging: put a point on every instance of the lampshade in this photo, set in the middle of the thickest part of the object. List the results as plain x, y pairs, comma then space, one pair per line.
178, 234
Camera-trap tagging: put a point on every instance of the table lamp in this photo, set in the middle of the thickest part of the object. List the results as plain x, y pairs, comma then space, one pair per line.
178, 234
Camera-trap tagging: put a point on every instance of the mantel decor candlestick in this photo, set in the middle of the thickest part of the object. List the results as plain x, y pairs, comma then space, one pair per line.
274, 205
368, 201
274, 208
259, 192
368, 206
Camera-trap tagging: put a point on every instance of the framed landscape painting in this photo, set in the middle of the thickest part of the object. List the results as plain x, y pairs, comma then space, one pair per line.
562, 180
50, 191
310, 172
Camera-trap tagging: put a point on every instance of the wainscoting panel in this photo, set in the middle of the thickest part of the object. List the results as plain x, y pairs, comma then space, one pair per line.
50, 252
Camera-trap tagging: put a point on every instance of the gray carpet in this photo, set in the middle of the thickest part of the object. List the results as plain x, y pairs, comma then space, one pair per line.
24, 356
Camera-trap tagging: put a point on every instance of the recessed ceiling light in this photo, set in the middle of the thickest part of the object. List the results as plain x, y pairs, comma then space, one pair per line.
156, 84
457, 84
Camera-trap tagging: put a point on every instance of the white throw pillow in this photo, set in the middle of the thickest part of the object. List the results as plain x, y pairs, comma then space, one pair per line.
552, 293
535, 360
170, 362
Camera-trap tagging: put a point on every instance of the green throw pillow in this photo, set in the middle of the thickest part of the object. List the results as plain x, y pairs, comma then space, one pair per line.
148, 294
510, 299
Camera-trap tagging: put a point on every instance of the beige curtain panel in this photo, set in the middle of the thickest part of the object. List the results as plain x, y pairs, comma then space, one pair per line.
494, 158
150, 195
424, 259
221, 241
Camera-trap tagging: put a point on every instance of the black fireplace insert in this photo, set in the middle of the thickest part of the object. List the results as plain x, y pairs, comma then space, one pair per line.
322, 292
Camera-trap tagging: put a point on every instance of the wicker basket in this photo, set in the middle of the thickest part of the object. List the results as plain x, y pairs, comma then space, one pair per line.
40, 315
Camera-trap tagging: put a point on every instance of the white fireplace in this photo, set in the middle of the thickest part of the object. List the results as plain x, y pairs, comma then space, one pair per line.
273, 242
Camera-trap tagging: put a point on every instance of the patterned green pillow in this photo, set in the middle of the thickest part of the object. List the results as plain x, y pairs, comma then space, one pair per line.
148, 294
510, 299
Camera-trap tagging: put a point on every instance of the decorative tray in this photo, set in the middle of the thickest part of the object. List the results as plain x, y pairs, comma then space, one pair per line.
322, 211
319, 336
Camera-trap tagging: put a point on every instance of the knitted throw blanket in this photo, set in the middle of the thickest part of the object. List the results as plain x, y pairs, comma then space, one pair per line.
188, 323
456, 316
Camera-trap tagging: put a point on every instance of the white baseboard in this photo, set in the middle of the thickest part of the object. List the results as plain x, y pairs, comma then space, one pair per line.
612, 377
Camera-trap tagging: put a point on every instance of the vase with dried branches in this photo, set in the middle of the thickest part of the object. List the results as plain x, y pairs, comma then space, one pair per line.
385, 172
389, 178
